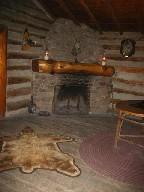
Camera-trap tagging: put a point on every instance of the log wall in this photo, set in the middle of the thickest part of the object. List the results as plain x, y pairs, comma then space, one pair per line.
18, 15
128, 81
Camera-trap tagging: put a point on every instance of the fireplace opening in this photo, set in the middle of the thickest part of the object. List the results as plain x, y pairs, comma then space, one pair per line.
72, 97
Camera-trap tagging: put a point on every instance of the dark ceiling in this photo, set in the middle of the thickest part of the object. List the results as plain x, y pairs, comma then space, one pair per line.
102, 15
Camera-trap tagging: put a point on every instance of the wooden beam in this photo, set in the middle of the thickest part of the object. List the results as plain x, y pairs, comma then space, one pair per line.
131, 82
111, 47
115, 101
3, 70
44, 8
10, 7
18, 80
117, 47
110, 38
118, 90
66, 10
17, 105
113, 14
65, 67
22, 22
137, 70
21, 55
19, 67
18, 92
121, 58
92, 17
18, 42
21, 32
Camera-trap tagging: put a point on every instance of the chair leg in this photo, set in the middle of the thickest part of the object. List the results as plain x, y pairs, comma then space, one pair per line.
118, 129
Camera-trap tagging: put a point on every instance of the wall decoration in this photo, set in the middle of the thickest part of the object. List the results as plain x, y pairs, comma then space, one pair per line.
76, 50
27, 42
127, 48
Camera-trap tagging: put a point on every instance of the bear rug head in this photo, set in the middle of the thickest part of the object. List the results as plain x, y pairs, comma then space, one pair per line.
29, 151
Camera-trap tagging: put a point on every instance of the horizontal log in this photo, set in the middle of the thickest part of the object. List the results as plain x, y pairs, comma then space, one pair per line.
121, 58
132, 82
23, 22
29, 4
115, 101
18, 80
28, 14
20, 67
120, 37
18, 92
14, 42
111, 47
117, 90
8, 6
127, 63
117, 47
21, 32
17, 42
17, 105
130, 69
64, 67
21, 55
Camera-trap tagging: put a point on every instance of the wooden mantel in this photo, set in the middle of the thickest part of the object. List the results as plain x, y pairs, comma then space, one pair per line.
64, 67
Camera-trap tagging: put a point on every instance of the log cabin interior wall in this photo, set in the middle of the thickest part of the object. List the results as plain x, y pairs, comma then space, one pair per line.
128, 82
18, 15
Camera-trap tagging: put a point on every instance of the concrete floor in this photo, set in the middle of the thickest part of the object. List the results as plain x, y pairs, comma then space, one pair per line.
51, 181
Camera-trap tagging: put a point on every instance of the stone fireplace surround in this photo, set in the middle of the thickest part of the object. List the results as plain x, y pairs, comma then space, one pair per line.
96, 88
60, 40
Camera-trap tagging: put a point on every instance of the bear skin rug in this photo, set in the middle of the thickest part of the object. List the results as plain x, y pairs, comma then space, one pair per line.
28, 151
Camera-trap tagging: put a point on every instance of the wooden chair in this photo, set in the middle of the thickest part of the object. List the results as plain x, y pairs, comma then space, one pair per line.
127, 109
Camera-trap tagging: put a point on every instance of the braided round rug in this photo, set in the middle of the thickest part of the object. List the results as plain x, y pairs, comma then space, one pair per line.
124, 163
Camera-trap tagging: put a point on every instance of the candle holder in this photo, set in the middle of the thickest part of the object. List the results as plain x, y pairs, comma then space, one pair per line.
46, 56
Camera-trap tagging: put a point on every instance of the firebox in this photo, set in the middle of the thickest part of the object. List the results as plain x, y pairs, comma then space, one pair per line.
71, 99
72, 96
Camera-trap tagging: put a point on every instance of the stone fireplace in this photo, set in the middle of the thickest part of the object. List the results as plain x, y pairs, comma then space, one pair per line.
71, 94
77, 93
